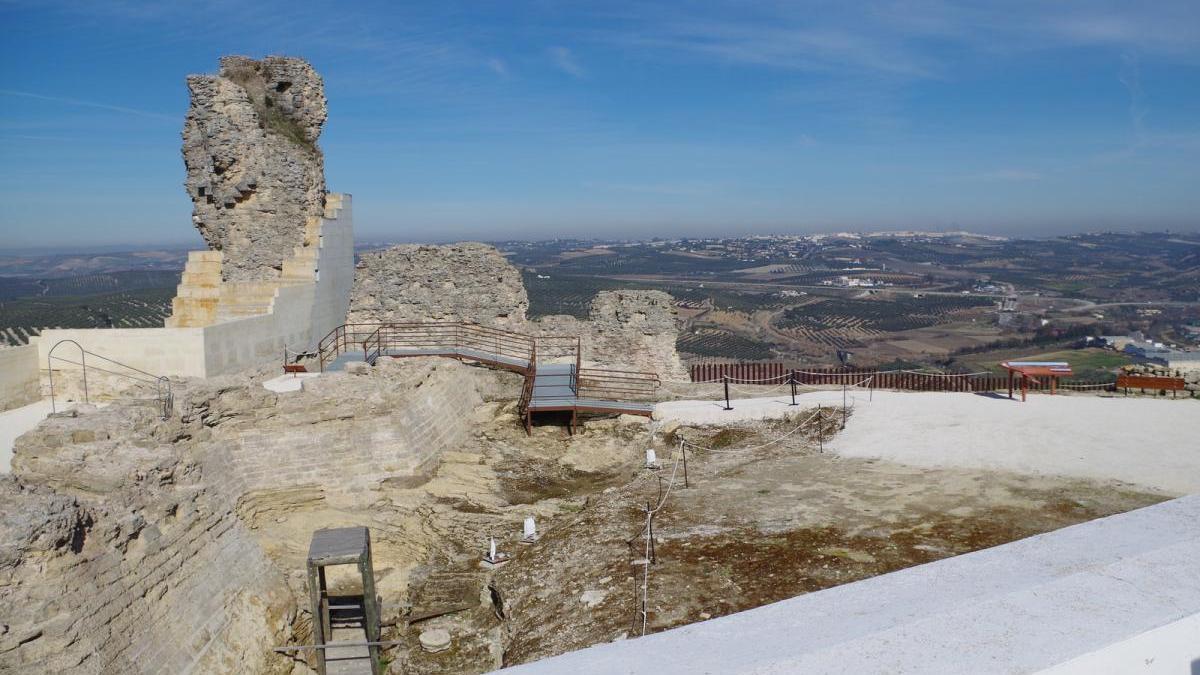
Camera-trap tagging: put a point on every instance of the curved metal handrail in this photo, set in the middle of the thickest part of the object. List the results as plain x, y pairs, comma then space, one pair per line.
50, 370
162, 384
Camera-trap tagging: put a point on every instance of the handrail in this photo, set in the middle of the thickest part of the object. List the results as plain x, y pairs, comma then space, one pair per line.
605, 384
162, 384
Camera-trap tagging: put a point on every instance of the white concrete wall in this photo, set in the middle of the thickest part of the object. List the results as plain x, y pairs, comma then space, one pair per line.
335, 279
258, 340
18, 376
159, 351
301, 314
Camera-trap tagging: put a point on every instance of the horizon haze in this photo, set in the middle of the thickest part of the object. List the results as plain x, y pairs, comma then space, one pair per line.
632, 120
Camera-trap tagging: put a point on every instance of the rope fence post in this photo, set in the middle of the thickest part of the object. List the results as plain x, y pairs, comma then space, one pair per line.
792, 381
683, 449
650, 532
726, 379
844, 404
820, 429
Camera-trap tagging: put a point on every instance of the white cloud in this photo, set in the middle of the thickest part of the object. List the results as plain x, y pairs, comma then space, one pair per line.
564, 60
89, 104
498, 66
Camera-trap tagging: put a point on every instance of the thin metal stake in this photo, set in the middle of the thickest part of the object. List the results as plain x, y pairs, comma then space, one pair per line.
792, 381
650, 530
683, 448
820, 429
727, 406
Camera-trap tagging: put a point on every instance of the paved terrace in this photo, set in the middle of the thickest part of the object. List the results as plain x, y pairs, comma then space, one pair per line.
1154, 443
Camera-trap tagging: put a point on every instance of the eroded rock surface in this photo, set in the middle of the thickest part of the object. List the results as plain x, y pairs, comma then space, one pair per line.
254, 171
120, 552
626, 329
458, 282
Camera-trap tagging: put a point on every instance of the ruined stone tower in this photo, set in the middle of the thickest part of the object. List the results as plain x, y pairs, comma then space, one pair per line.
254, 171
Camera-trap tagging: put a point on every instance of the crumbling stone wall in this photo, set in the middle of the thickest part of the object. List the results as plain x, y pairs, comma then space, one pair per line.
633, 330
458, 282
254, 171
119, 552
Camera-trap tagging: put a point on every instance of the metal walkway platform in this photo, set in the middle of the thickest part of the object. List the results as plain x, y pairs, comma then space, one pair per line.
555, 380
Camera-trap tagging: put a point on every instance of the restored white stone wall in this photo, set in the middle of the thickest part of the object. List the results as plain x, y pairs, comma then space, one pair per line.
162, 351
231, 346
18, 376
335, 272
301, 314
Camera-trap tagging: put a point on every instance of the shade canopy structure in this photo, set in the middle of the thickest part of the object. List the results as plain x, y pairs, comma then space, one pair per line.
1035, 371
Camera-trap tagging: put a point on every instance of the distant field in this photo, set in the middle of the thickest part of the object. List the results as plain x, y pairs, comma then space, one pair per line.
713, 343
135, 299
1081, 360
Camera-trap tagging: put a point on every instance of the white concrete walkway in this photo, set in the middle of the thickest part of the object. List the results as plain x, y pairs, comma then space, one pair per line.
288, 382
1150, 442
15, 422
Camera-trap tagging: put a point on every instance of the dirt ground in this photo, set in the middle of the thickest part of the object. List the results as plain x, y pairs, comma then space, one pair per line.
751, 527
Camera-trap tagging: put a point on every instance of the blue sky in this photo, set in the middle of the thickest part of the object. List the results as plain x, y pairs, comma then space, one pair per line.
495, 120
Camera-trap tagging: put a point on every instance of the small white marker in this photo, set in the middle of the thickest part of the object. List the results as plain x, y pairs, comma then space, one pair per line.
494, 558
530, 533
651, 459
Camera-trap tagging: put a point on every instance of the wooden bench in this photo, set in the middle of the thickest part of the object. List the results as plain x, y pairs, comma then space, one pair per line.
294, 368
1144, 382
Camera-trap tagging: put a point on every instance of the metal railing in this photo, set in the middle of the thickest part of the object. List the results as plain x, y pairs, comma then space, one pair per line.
463, 340
163, 395
613, 385
344, 338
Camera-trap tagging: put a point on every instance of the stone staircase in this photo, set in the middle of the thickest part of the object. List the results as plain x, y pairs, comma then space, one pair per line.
203, 299
199, 292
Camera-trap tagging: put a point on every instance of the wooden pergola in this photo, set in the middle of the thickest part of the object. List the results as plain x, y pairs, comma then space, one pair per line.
1033, 371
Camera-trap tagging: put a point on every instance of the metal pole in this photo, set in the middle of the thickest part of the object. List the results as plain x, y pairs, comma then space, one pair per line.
820, 429
843, 404
792, 381
683, 448
727, 406
650, 532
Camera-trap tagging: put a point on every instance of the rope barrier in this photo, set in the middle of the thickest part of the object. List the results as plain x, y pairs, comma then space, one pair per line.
754, 447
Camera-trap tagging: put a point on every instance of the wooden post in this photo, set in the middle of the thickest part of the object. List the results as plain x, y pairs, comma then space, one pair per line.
727, 406
792, 381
